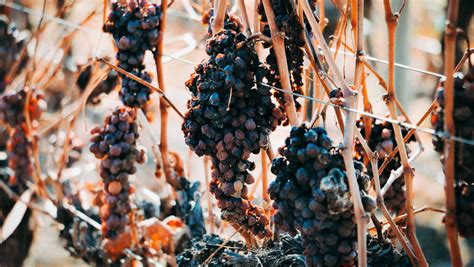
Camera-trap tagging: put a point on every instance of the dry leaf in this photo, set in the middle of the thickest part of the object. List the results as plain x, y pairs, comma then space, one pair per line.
160, 234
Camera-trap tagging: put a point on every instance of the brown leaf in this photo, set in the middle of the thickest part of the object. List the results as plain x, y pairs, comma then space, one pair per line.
160, 234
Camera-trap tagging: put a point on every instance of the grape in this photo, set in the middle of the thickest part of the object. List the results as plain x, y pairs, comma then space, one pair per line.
104, 87
464, 154
229, 116
115, 144
19, 146
135, 29
314, 199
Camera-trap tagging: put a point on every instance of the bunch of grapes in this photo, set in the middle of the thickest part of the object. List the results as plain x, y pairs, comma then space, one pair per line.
311, 196
14, 110
284, 251
382, 140
135, 29
464, 153
104, 87
229, 117
383, 253
189, 207
81, 239
116, 145
288, 23
9, 48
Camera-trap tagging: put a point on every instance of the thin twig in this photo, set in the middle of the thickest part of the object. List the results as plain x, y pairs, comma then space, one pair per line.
449, 126
206, 262
351, 98
407, 137
373, 157
279, 48
392, 21
322, 75
210, 213
259, 36
466, 56
245, 15
219, 15
265, 196
145, 83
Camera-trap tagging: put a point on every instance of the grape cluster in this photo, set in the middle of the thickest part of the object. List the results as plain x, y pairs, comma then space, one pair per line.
311, 196
381, 139
383, 253
9, 48
464, 153
286, 251
229, 117
81, 239
104, 87
189, 207
13, 113
135, 29
116, 145
288, 23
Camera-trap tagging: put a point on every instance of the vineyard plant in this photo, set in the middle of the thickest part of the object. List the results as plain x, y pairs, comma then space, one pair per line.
235, 133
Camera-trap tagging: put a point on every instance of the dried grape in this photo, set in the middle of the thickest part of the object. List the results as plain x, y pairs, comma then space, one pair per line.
230, 117
115, 145
311, 196
464, 153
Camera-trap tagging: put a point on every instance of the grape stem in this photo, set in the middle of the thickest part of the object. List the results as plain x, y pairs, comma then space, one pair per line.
219, 15
322, 76
383, 84
210, 213
163, 103
145, 83
259, 36
361, 216
265, 196
392, 20
279, 48
450, 34
373, 157
466, 56
407, 137
245, 15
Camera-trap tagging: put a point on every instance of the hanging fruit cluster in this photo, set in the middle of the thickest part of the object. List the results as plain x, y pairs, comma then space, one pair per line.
9, 48
116, 145
229, 117
383, 253
18, 110
311, 196
135, 29
284, 251
288, 23
104, 87
464, 154
381, 139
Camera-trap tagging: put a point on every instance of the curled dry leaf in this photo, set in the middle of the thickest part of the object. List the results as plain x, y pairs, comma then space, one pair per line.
159, 234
